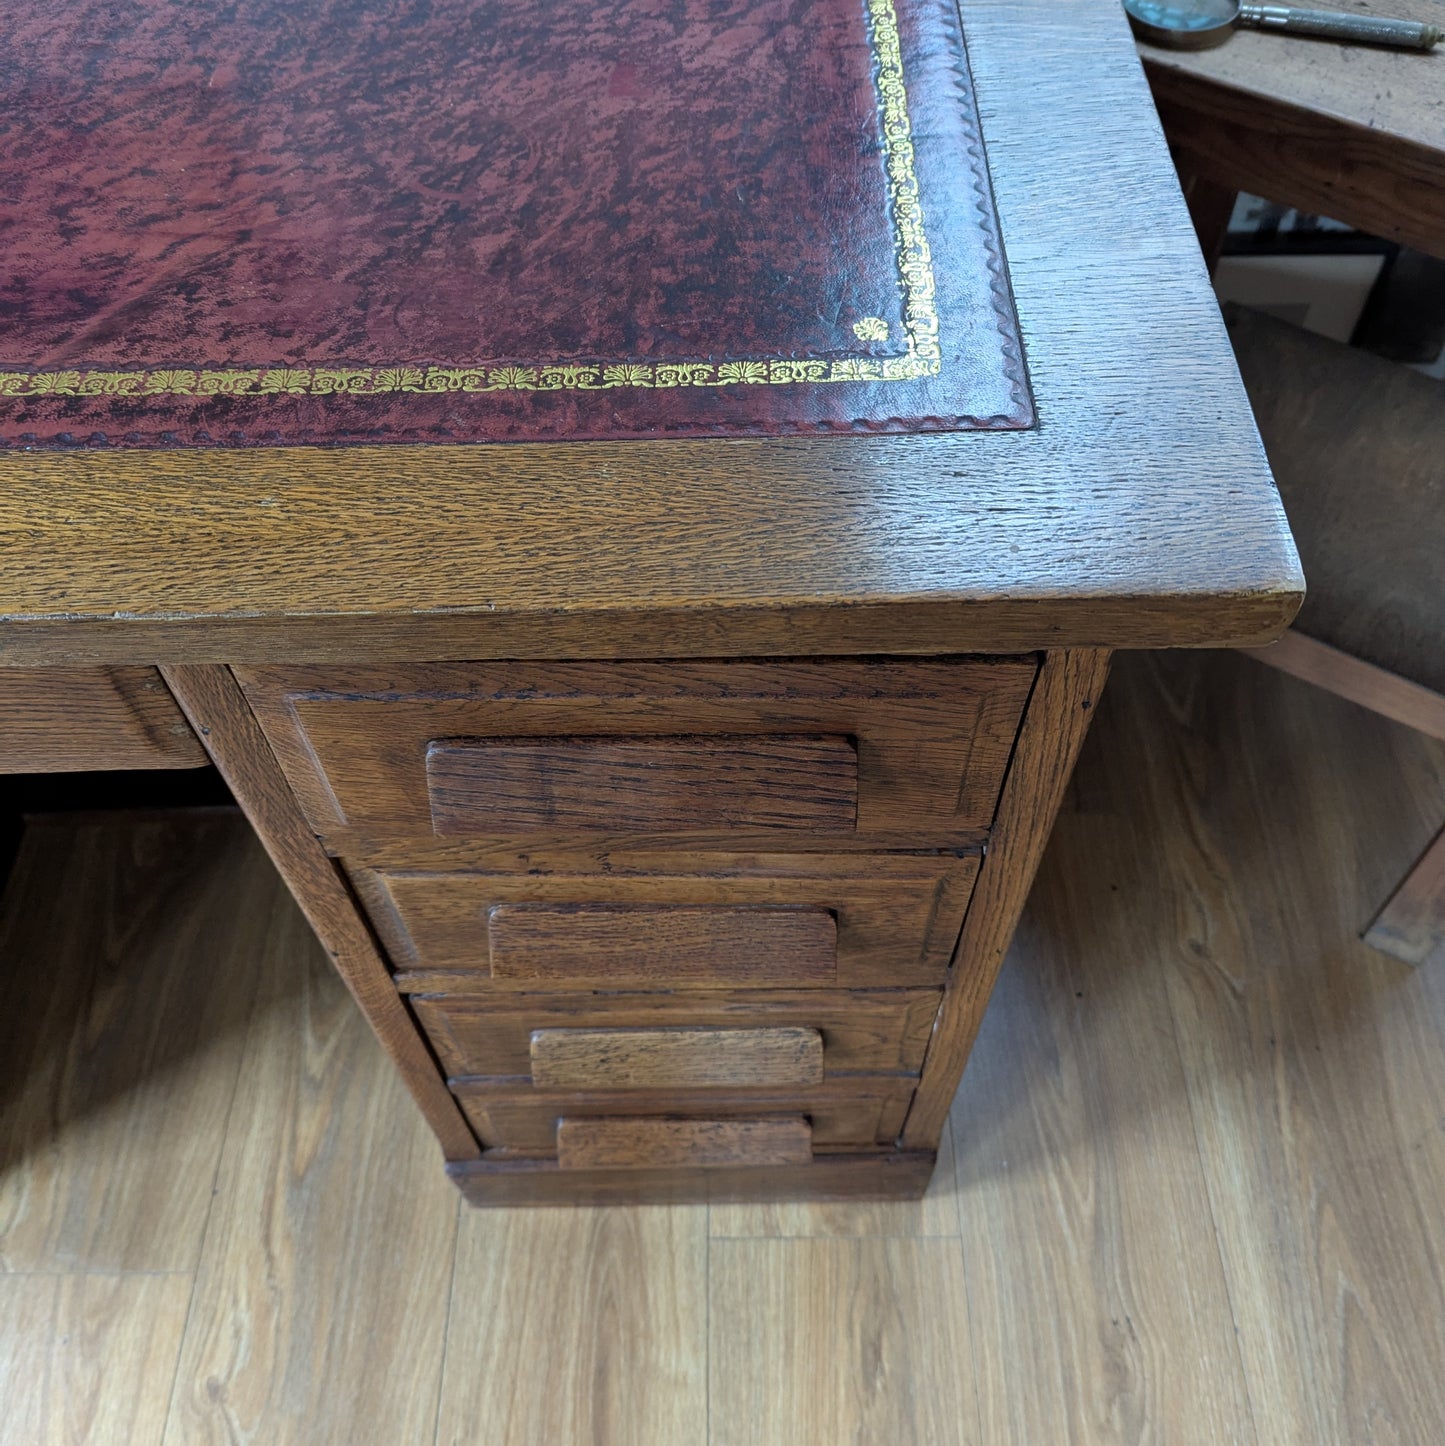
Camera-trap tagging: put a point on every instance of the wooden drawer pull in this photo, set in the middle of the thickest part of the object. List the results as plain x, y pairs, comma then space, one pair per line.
584, 1059
497, 785
663, 945
642, 1144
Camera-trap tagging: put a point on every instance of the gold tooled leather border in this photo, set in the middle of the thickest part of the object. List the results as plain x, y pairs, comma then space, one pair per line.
922, 356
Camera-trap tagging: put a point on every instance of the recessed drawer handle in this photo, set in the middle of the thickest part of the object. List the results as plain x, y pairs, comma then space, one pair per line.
584, 1059
662, 945
642, 1144
766, 781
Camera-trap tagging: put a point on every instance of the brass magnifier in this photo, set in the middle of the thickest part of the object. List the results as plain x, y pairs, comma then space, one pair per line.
1202, 24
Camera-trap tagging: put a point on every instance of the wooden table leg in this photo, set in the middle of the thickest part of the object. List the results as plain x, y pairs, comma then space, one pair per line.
1412, 925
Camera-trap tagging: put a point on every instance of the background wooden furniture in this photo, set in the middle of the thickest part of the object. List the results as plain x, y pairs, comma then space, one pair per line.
1348, 131
1356, 133
1358, 449
1138, 513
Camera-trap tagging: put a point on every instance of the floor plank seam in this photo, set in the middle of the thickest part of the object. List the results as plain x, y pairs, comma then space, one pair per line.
1204, 1170
447, 1329
1210, 1184
860, 1235
256, 1002
92, 1272
955, 1155
707, 1328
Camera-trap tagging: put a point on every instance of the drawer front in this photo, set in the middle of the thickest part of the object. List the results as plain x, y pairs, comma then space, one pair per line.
519, 785
865, 1113
885, 753
612, 1144
592, 1059
868, 1030
535, 944
770, 921
846, 1178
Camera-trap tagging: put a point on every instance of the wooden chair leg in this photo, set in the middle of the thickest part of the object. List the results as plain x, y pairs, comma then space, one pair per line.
1210, 207
1349, 677
1412, 925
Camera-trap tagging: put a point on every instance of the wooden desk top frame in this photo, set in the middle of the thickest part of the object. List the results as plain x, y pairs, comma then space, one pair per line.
1356, 132
1138, 512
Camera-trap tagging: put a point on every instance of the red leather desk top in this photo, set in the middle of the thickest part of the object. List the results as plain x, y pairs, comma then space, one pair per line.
494, 220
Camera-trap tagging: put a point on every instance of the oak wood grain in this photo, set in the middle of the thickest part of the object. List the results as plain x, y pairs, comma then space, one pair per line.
321, 1292
848, 1112
89, 1357
842, 1181
130, 949
578, 1325
61, 720
898, 917
218, 712
862, 1030
636, 852
906, 628
508, 785
840, 1340
1351, 131
1411, 926
1058, 717
932, 736
588, 1059
663, 945
647, 1144
1138, 513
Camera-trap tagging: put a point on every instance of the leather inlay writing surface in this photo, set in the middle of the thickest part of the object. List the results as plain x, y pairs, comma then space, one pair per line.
495, 220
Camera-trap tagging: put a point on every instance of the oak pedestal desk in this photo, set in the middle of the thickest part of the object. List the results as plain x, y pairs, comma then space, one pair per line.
661, 738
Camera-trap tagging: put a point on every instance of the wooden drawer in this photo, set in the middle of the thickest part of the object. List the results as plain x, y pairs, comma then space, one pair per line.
866, 1030
849, 1113
502, 1179
586, 1057
857, 752
670, 1144
62, 720
768, 921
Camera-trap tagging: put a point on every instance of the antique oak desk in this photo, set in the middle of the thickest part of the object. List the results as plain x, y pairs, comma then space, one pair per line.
637, 500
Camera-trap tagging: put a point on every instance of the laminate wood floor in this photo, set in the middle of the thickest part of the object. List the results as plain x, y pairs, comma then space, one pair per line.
1195, 1189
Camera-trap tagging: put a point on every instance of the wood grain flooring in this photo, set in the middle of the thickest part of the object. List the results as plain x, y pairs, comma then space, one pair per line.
578, 1325
839, 1340
326, 1262
86, 1357
127, 989
1193, 1191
